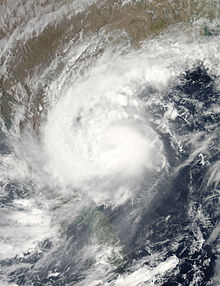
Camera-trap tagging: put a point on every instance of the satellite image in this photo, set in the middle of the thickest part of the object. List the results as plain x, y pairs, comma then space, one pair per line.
110, 143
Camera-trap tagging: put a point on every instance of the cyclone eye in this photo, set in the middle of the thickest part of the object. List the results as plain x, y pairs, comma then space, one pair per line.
128, 148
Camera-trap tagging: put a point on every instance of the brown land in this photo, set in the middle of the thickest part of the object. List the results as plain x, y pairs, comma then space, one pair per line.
140, 20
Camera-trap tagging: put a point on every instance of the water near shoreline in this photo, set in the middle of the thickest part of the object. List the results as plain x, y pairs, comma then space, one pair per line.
109, 142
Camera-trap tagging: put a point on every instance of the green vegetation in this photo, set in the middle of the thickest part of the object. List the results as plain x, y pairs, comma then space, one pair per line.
103, 234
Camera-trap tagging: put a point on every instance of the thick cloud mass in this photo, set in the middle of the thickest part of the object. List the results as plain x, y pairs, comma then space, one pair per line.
116, 182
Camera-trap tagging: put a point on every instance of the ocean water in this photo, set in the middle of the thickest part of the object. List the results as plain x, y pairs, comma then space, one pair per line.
109, 144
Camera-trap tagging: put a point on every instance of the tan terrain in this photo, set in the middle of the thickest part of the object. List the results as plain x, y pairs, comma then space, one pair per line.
139, 19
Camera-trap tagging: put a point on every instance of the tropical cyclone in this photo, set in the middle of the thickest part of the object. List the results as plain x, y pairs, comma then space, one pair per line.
110, 159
